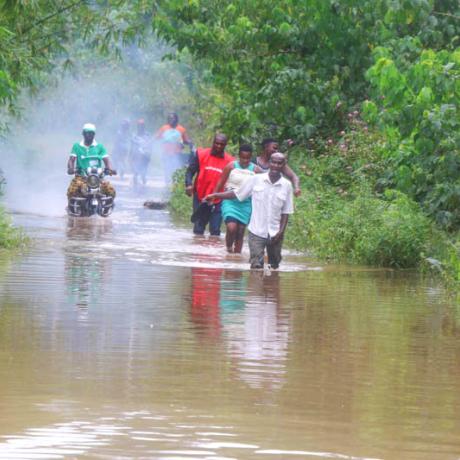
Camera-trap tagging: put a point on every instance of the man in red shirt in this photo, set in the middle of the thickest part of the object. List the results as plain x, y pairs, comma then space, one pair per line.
207, 164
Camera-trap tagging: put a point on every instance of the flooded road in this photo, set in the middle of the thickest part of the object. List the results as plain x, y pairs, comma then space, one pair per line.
129, 338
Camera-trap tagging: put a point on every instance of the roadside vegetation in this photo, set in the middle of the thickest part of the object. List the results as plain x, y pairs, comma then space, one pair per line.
345, 213
10, 237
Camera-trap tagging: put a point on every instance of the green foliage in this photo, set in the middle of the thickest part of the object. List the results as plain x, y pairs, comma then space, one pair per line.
293, 68
10, 237
418, 101
279, 63
36, 37
444, 257
180, 203
363, 229
341, 215
350, 158
451, 262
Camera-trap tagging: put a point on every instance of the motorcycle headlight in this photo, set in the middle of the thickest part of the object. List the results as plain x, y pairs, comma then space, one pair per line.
93, 181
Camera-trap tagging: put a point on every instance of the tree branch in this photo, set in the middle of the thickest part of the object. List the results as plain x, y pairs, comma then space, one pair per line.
51, 16
449, 15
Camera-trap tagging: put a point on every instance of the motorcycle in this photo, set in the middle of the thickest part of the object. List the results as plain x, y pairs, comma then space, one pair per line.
92, 201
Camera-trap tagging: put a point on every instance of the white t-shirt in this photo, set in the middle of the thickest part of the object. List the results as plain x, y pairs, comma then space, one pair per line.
269, 202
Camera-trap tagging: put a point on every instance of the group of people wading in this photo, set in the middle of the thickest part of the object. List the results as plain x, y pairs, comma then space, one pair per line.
244, 192
133, 152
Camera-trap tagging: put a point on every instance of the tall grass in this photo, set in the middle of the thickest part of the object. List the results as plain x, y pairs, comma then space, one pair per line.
10, 237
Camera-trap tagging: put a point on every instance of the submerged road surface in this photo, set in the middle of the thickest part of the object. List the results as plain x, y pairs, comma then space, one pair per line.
127, 337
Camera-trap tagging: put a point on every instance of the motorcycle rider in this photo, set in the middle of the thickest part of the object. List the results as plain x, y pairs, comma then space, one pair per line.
84, 154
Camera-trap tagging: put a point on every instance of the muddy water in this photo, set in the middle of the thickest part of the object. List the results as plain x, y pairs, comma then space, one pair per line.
129, 338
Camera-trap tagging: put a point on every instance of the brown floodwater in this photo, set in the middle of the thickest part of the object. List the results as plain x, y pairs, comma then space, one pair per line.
127, 337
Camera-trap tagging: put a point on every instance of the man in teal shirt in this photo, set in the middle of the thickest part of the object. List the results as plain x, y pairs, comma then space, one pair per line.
84, 154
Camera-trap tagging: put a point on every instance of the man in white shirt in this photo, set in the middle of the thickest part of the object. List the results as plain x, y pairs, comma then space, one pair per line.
272, 202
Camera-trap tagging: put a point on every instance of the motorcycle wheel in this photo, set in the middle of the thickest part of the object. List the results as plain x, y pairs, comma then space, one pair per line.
105, 206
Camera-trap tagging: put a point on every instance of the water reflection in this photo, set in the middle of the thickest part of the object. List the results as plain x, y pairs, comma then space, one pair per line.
85, 278
88, 228
243, 310
259, 339
205, 301
86, 272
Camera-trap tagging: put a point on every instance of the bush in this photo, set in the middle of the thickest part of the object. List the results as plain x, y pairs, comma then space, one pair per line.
418, 110
180, 203
364, 229
444, 257
10, 237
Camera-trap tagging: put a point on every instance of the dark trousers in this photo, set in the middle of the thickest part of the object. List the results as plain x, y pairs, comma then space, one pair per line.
214, 220
257, 246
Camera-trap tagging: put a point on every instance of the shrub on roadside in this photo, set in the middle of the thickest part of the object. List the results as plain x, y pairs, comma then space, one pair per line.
180, 203
390, 232
444, 257
10, 237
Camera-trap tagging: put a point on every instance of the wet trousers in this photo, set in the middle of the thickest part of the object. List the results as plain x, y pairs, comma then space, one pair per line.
214, 219
257, 246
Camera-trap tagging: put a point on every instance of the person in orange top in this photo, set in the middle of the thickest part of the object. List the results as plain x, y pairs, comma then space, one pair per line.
172, 137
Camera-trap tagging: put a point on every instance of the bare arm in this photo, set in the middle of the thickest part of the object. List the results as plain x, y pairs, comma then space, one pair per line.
283, 224
230, 195
108, 165
292, 176
258, 170
224, 177
71, 165
186, 139
192, 169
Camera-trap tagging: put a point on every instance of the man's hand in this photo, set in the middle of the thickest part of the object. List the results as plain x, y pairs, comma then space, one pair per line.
70, 171
209, 197
297, 191
110, 172
189, 190
276, 238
